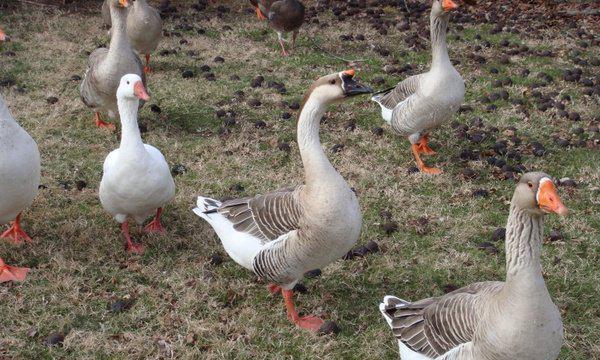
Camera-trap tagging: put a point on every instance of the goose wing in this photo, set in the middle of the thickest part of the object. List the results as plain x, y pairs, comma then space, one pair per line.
267, 216
89, 89
434, 326
403, 90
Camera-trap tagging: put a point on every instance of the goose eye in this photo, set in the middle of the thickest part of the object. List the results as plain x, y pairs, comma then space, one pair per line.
128, 83
332, 81
530, 184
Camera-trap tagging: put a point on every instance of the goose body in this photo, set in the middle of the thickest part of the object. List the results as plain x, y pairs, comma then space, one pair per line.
144, 29
423, 102
106, 67
136, 181
515, 319
283, 16
282, 234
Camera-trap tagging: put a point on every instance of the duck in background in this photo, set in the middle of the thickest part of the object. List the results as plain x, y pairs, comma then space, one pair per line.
283, 16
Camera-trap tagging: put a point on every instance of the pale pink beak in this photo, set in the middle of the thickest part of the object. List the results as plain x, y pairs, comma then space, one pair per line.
140, 91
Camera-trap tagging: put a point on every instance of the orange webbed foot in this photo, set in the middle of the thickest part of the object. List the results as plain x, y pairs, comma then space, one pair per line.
103, 125
12, 273
155, 225
310, 323
15, 233
134, 248
274, 289
430, 170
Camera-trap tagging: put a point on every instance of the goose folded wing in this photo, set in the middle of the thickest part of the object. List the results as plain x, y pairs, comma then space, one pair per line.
267, 216
403, 90
435, 326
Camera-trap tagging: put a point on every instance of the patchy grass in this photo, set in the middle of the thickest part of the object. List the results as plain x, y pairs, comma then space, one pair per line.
184, 306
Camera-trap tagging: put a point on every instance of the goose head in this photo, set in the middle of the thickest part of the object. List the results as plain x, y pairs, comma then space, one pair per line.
537, 194
442, 7
336, 87
131, 87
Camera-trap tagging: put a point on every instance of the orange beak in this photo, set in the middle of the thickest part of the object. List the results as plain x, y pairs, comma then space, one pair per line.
2, 35
448, 5
548, 199
124, 3
140, 91
349, 72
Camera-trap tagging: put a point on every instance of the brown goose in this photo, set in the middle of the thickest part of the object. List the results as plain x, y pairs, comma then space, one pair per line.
423, 102
106, 67
283, 15
282, 234
515, 319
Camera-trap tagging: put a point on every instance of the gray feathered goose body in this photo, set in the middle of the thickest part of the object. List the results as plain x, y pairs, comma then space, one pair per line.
106, 67
423, 102
283, 16
282, 234
144, 29
515, 319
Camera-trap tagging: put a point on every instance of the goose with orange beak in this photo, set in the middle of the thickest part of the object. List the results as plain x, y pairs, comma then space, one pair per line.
514, 319
106, 67
423, 102
19, 181
137, 181
282, 234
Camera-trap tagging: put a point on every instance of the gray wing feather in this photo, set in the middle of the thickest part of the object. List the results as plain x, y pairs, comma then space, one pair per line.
267, 216
89, 89
403, 90
434, 326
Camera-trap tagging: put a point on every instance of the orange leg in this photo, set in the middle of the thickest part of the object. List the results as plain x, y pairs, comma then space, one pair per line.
11, 273
283, 52
15, 233
427, 170
423, 147
310, 323
130, 246
155, 225
102, 124
274, 289
147, 68
260, 15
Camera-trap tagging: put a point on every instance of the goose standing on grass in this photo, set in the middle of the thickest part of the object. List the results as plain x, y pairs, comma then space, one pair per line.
19, 181
283, 234
144, 28
107, 66
283, 15
423, 102
136, 181
515, 319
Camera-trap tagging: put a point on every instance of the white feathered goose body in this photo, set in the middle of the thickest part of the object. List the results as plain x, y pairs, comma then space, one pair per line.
515, 319
423, 102
107, 66
137, 181
283, 234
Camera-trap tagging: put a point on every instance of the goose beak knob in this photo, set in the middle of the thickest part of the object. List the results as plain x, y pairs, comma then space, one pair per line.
140, 91
548, 199
352, 87
449, 5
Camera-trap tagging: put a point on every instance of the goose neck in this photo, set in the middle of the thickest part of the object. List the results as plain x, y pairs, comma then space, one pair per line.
131, 138
523, 248
439, 48
316, 165
119, 40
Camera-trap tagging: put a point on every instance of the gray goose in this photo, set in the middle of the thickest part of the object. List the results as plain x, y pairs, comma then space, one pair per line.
281, 235
106, 67
515, 319
423, 102
19, 181
283, 15
144, 28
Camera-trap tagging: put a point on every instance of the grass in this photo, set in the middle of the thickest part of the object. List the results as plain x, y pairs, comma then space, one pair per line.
184, 306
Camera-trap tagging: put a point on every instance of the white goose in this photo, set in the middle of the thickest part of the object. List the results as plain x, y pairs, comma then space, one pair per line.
423, 102
136, 181
19, 181
282, 234
493, 320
